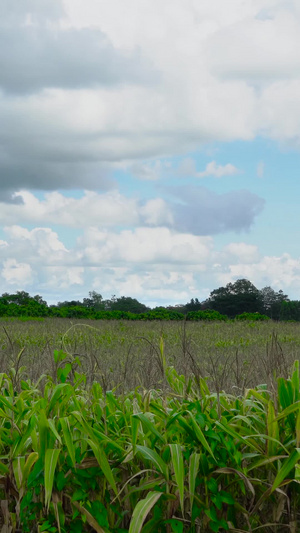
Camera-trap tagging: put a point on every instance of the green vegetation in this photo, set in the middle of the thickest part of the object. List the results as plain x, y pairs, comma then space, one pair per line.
77, 459
162, 426
231, 301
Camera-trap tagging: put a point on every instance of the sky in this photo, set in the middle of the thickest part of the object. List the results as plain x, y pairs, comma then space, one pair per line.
149, 149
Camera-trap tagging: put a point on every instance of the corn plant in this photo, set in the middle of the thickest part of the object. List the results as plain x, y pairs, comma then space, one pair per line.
74, 458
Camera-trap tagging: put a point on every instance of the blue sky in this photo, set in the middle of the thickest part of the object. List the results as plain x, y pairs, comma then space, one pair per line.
149, 149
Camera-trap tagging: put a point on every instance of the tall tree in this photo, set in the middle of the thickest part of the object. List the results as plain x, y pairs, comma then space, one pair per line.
235, 298
271, 302
94, 301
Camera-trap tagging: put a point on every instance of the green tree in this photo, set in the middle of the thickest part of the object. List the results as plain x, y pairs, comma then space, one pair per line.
290, 310
95, 301
235, 299
271, 302
193, 305
126, 303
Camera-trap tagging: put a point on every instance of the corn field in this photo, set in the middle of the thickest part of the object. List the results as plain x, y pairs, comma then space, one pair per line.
76, 458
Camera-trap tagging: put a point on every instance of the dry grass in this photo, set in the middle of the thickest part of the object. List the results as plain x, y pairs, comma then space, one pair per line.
233, 356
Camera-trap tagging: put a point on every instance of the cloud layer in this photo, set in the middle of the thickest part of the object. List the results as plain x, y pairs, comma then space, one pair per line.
103, 106
84, 89
156, 265
197, 211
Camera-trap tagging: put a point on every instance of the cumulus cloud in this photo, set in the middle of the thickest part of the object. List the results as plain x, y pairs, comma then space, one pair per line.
89, 89
38, 244
146, 172
260, 49
142, 246
17, 274
194, 210
212, 169
156, 265
58, 277
105, 210
205, 212
280, 272
144, 84
284, 124
42, 57
188, 168
70, 132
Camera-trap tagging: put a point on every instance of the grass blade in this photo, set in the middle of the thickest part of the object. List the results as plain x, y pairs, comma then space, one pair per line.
89, 518
287, 466
104, 464
65, 426
193, 471
51, 458
152, 455
177, 460
141, 510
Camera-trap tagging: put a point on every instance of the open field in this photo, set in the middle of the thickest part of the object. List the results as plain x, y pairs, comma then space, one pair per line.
166, 451
232, 355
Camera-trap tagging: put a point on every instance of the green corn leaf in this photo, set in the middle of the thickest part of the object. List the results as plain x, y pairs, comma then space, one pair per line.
94, 435
43, 433
135, 422
229, 470
298, 430
51, 458
200, 436
3, 469
285, 392
21, 444
141, 511
31, 460
177, 460
227, 429
89, 518
18, 467
193, 471
54, 430
286, 468
289, 410
148, 425
65, 426
262, 462
260, 397
104, 464
296, 381
273, 430
58, 394
152, 455
150, 484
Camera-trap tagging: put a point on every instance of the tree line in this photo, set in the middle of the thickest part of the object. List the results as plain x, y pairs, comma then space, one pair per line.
239, 299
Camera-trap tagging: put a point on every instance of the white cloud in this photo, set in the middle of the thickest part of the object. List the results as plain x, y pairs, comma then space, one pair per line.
280, 111
62, 277
18, 274
143, 246
146, 172
218, 171
157, 213
188, 168
76, 134
155, 265
244, 253
280, 272
257, 49
107, 209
